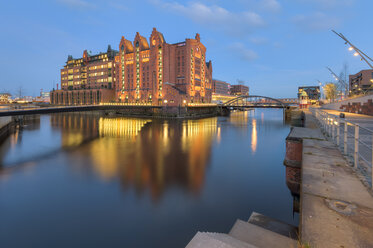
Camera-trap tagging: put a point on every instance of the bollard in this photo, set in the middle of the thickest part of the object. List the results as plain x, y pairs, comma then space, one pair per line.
356, 155
345, 138
333, 127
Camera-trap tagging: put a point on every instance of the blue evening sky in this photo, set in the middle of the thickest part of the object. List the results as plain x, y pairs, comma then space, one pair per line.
274, 46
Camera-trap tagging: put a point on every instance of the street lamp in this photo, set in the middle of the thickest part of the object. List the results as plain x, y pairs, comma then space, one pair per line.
358, 52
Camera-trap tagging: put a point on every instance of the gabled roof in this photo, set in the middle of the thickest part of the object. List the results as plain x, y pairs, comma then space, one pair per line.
144, 42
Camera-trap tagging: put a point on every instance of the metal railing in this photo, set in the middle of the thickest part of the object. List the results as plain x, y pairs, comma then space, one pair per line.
352, 139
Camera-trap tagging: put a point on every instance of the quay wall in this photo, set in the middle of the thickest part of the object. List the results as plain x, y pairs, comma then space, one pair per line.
358, 105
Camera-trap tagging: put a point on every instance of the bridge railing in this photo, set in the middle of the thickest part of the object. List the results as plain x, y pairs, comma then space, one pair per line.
254, 100
354, 141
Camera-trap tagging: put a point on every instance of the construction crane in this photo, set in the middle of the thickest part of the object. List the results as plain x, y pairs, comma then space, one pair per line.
321, 88
340, 80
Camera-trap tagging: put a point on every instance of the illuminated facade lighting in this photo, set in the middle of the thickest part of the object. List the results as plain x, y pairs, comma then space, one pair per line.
156, 70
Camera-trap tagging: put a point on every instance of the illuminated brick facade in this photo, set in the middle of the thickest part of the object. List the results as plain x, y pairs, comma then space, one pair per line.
87, 80
142, 72
163, 74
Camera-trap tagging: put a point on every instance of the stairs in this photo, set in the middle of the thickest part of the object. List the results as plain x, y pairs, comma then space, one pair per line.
260, 231
218, 240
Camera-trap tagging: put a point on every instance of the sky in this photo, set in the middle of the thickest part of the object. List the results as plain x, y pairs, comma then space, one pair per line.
273, 46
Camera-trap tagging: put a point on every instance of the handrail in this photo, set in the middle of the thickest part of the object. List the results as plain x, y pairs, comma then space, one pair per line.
361, 151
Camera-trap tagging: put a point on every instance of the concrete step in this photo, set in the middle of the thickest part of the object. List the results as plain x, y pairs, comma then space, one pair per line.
259, 236
216, 240
274, 225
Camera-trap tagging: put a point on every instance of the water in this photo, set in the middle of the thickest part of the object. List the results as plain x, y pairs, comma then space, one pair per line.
73, 180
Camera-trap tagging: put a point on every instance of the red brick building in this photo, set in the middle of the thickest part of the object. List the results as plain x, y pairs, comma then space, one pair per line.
220, 87
87, 80
361, 82
142, 72
239, 90
163, 74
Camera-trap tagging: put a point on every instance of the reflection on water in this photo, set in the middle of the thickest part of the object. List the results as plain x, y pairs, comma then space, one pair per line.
147, 161
254, 136
137, 182
240, 119
119, 127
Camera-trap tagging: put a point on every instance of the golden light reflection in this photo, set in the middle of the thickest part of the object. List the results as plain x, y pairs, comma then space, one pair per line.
254, 136
105, 158
147, 156
197, 143
72, 139
197, 129
239, 118
14, 139
165, 138
75, 128
121, 127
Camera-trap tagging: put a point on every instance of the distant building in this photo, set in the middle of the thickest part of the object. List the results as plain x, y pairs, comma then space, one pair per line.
87, 80
308, 95
220, 87
239, 90
5, 98
361, 82
289, 100
43, 98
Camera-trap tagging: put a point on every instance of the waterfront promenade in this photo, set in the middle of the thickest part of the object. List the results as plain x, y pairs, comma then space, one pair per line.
364, 139
336, 208
363, 120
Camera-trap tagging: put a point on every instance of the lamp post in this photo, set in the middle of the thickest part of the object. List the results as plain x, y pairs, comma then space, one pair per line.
358, 52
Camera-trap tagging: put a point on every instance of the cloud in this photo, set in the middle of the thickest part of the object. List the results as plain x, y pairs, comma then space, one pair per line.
77, 3
258, 40
215, 17
317, 21
270, 5
242, 52
328, 4
118, 6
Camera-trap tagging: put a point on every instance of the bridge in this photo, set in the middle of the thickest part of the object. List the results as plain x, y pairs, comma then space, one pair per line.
240, 102
255, 101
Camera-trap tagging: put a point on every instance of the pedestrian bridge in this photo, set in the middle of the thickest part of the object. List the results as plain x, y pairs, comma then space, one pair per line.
255, 101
